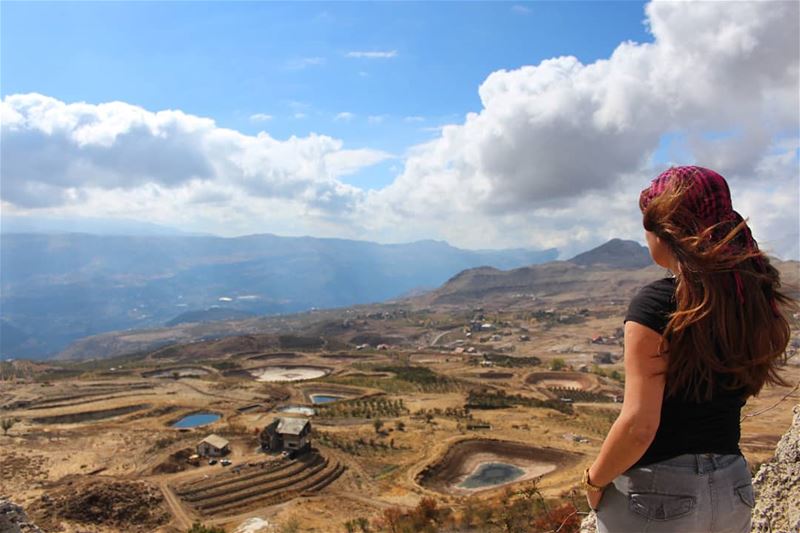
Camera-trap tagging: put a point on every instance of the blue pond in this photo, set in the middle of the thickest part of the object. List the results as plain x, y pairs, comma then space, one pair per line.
197, 419
324, 398
490, 474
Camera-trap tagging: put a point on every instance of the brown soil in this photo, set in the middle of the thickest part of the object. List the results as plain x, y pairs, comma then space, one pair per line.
126, 506
89, 416
462, 458
176, 462
496, 375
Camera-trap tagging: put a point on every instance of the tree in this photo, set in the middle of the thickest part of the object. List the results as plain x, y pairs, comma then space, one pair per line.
400, 425
378, 424
391, 519
557, 364
6, 424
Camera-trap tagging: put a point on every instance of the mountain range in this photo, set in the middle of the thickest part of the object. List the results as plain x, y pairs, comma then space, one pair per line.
595, 283
57, 288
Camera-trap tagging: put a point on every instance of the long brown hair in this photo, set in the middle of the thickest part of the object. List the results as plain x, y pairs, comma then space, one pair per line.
729, 329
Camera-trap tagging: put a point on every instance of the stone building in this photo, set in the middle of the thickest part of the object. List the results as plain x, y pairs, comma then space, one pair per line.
213, 446
286, 433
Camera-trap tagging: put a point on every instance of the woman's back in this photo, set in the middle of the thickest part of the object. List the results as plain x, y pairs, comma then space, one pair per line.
697, 345
687, 426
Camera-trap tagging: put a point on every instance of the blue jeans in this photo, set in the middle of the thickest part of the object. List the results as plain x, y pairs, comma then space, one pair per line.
706, 493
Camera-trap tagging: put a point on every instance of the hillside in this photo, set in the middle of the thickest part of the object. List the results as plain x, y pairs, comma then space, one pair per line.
616, 253
209, 315
530, 288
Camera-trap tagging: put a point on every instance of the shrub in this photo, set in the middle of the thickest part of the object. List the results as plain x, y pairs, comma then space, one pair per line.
197, 527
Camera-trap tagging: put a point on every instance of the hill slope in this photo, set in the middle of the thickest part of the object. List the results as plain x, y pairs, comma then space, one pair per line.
616, 253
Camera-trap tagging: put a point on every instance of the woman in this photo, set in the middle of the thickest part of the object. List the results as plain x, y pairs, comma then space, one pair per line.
696, 346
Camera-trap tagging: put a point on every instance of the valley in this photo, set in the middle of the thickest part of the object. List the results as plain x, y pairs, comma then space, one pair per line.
497, 388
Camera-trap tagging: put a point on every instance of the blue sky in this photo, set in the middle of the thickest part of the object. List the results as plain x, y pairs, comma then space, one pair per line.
485, 124
298, 62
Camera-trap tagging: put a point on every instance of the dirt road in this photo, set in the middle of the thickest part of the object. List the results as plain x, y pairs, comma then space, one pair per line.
181, 516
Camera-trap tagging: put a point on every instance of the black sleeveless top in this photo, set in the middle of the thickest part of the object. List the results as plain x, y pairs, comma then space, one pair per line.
686, 426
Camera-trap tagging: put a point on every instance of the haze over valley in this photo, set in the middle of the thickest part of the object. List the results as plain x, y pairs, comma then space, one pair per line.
57, 288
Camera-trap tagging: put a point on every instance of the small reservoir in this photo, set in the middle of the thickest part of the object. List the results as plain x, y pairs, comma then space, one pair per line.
288, 373
297, 410
196, 420
325, 398
490, 474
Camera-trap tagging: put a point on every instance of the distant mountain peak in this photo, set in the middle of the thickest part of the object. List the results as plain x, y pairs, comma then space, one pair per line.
616, 253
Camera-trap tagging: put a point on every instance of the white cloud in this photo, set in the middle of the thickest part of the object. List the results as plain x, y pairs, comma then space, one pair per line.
376, 119
414, 118
521, 9
556, 156
261, 117
299, 116
132, 161
345, 116
562, 134
374, 54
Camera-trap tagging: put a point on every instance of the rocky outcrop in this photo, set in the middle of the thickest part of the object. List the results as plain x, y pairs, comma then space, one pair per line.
14, 520
777, 487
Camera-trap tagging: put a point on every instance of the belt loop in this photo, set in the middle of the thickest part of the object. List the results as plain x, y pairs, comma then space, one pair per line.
714, 460
698, 463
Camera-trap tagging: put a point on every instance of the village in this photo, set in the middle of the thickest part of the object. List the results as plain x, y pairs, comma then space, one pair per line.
395, 408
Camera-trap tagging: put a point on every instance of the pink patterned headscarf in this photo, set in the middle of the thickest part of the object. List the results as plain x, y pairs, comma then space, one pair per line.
709, 199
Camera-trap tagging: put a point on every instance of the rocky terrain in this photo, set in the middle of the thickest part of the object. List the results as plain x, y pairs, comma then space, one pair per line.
777, 485
14, 520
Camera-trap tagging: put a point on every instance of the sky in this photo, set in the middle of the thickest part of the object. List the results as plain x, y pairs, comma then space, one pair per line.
485, 124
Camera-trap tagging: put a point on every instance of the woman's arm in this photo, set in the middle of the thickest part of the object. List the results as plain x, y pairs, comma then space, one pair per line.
636, 426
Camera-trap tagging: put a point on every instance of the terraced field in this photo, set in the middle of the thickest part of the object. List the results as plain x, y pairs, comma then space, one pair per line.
261, 484
98, 392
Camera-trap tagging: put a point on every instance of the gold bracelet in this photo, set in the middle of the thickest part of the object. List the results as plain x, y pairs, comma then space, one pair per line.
587, 485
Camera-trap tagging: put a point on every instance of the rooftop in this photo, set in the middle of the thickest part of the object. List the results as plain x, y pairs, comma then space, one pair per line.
291, 426
216, 441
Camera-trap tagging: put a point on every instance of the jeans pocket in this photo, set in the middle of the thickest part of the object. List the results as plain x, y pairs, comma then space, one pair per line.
654, 506
745, 493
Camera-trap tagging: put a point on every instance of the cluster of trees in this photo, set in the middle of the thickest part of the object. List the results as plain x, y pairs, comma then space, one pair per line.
457, 413
616, 375
523, 511
355, 446
498, 399
423, 378
367, 408
580, 395
512, 362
